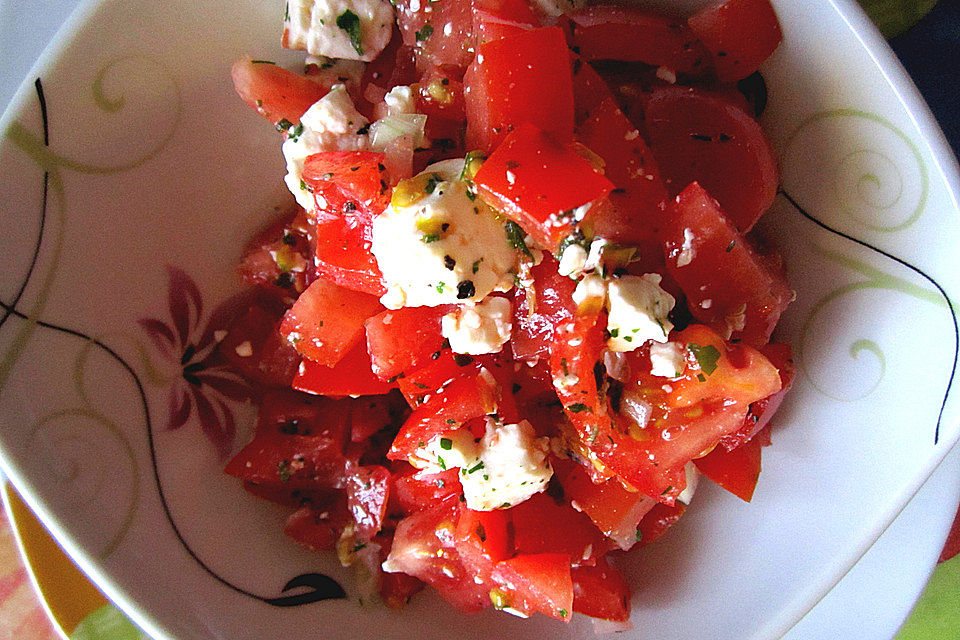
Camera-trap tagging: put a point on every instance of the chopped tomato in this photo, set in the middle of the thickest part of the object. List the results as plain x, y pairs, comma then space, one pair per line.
348, 183
494, 19
327, 320
698, 136
657, 521
569, 531
291, 460
253, 346
443, 367
540, 583
736, 471
538, 183
396, 589
746, 291
404, 339
424, 547
276, 93
416, 490
589, 88
600, 592
632, 34
504, 88
278, 259
615, 511
439, 31
482, 540
638, 198
740, 34
368, 490
458, 402
351, 376
758, 417
537, 309
343, 254
317, 527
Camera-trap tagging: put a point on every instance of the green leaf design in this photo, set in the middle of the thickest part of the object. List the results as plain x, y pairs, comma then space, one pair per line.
107, 623
896, 16
937, 614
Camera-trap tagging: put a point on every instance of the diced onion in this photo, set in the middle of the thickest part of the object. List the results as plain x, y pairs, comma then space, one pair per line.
386, 130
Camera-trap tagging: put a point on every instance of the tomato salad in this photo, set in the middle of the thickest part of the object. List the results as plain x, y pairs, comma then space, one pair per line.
517, 309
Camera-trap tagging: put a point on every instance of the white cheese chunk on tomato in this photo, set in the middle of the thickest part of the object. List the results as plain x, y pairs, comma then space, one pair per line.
476, 329
511, 466
638, 310
455, 449
331, 124
349, 29
446, 247
667, 359
693, 476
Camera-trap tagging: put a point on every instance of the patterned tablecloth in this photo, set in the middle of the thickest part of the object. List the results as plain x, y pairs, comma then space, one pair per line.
930, 49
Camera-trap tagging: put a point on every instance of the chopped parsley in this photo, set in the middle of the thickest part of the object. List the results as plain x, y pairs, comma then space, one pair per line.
579, 407
432, 181
263, 62
443, 465
350, 23
430, 237
476, 265
425, 32
515, 238
446, 444
706, 355
462, 359
476, 467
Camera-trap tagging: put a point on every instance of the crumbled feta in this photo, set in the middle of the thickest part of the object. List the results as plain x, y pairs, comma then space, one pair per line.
398, 101
693, 477
447, 247
331, 71
638, 310
572, 261
595, 255
331, 124
350, 29
456, 448
667, 359
687, 251
512, 465
592, 288
479, 328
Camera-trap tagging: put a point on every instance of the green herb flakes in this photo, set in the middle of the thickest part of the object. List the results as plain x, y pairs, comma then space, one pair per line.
350, 23
706, 355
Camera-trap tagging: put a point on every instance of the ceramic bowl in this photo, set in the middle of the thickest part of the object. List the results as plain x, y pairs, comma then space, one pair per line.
131, 177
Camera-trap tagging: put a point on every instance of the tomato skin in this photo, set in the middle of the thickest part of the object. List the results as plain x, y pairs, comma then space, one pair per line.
747, 291
615, 511
417, 385
482, 539
396, 589
531, 178
532, 331
737, 470
503, 88
351, 183
699, 136
271, 362
416, 490
569, 531
657, 521
276, 93
600, 592
318, 527
424, 547
427, 33
740, 34
458, 402
589, 88
327, 320
495, 19
368, 491
351, 376
758, 417
638, 199
631, 34
539, 582
343, 254
400, 340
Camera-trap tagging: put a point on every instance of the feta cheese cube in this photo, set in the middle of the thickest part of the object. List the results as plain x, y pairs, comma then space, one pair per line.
331, 124
455, 449
349, 29
512, 465
446, 247
572, 261
638, 310
480, 328
667, 359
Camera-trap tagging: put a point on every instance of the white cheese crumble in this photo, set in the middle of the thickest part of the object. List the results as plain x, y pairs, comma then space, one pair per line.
331, 124
512, 465
667, 359
456, 448
447, 247
693, 476
349, 29
476, 329
638, 310
591, 288
572, 261
398, 101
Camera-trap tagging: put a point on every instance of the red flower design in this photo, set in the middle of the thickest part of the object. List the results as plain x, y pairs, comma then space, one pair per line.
207, 381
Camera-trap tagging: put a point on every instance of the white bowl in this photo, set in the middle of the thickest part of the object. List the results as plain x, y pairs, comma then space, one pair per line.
137, 157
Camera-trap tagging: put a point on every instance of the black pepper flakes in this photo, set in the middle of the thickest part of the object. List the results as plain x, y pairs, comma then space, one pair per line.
449, 262
465, 289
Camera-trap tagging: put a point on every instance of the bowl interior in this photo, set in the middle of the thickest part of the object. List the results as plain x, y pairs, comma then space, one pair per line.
131, 178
